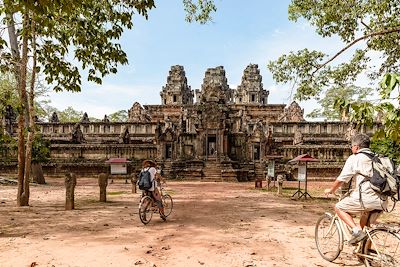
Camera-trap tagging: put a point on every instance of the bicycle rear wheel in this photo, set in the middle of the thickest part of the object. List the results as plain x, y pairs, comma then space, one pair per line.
383, 249
328, 237
146, 209
168, 204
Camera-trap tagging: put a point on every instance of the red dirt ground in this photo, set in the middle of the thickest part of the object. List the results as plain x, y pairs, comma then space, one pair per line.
212, 224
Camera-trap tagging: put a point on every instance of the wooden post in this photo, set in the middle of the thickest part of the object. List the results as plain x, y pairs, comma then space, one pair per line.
103, 182
70, 183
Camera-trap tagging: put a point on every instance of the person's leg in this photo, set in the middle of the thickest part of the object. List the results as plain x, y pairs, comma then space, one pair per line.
344, 209
346, 217
157, 197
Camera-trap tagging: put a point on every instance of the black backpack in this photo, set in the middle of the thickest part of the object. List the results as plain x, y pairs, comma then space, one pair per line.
144, 180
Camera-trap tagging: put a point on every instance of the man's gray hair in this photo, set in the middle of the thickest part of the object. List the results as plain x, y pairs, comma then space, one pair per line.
361, 140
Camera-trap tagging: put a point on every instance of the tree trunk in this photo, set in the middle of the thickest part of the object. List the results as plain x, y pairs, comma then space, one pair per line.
70, 183
37, 173
103, 182
23, 180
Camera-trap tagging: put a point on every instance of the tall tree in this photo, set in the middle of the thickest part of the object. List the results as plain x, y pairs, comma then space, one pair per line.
44, 36
365, 27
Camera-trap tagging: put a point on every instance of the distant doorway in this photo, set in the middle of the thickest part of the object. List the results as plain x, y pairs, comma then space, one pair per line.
168, 151
256, 152
212, 145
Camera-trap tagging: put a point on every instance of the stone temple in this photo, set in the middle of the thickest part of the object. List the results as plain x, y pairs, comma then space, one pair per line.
215, 133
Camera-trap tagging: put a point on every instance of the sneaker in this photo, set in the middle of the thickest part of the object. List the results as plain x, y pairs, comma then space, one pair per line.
163, 217
357, 237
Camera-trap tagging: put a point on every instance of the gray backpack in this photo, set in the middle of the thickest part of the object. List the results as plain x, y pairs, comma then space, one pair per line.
384, 179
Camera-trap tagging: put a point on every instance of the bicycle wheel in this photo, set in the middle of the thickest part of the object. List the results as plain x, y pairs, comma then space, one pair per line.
168, 204
382, 249
145, 209
328, 237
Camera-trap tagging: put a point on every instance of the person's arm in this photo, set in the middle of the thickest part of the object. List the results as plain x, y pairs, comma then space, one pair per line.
160, 178
334, 187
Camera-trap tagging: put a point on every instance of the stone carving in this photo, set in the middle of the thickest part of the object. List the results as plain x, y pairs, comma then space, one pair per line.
105, 119
298, 137
251, 88
293, 113
350, 132
85, 118
54, 117
77, 135
176, 91
138, 114
124, 137
9, 118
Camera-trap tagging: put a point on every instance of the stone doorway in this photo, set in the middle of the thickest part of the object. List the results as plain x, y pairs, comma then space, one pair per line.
211, 145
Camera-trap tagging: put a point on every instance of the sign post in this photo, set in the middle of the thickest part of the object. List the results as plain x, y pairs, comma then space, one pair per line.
302, 173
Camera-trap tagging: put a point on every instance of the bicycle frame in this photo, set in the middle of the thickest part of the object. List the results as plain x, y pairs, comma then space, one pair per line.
345, 234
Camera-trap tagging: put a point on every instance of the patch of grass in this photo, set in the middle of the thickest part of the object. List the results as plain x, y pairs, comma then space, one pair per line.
117, 193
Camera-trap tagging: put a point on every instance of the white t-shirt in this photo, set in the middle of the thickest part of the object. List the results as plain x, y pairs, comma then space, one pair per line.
153, 172
356, 165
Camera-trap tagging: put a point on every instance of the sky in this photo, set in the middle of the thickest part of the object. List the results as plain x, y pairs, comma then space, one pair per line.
255, 32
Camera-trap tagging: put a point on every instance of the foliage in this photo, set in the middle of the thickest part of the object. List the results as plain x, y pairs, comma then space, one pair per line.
386, 147
7, 92
200, 12
70, 115
375, 25
119, 116
40, 149
339, 94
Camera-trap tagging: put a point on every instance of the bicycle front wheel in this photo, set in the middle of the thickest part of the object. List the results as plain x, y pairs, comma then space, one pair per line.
328, 237
146, 209
382, 249
168, 204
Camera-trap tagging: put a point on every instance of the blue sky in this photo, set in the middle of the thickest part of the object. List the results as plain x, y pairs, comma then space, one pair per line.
255, 32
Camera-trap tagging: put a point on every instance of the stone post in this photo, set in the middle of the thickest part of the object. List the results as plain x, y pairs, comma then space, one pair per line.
279, 179
103, 182
268, 180
133, 181
70, 183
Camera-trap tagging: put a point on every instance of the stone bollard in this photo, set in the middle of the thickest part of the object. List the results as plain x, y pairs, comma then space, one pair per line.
103, 182
70, 183
279, 179
268, 180
258, 183
133, 181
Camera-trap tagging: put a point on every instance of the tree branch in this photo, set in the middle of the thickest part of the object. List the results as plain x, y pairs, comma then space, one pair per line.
383, 32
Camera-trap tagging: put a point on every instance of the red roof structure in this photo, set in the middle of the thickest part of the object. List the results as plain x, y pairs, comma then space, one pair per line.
117, 160
303, 158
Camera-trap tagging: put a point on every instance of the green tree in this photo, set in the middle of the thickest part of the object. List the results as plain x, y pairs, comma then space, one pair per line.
121, 115
346, 94
70, 115
43, 37
364, 27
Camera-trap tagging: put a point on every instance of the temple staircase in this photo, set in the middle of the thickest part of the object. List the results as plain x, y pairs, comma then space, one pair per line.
212, 171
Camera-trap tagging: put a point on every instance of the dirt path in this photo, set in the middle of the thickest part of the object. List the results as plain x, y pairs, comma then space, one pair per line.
212, 224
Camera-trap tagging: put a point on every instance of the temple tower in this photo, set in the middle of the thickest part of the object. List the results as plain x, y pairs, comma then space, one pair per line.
176, 91
251, 91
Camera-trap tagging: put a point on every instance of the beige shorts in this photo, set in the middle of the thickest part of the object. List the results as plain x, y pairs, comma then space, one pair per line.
353, 204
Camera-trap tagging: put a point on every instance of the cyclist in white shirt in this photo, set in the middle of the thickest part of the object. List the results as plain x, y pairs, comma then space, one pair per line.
358, 166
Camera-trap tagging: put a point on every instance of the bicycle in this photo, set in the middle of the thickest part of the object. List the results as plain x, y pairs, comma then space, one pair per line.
381, 247
148, 206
